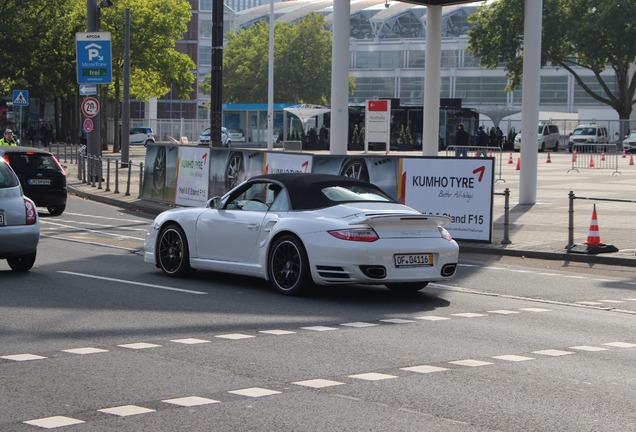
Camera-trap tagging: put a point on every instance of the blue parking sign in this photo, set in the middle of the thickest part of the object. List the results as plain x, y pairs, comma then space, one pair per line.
94, 60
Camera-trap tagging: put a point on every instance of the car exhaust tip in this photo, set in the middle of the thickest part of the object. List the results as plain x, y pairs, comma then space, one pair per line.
374, 272
449, 270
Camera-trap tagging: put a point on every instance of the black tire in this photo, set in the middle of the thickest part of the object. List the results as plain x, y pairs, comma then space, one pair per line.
172, 252
542, 149
159, 170
22, 263
355, 168
56, 210
234, 170
288, 266
148, 142
407, 287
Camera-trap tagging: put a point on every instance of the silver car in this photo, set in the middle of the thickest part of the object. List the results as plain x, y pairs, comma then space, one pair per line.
19, 222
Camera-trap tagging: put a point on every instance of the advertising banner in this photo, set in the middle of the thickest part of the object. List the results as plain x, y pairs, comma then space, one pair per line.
192, 176
287, 163
160, 172
377, 123
461, 189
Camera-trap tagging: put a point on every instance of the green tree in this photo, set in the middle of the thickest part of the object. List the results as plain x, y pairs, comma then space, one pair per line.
592, 34
302, 63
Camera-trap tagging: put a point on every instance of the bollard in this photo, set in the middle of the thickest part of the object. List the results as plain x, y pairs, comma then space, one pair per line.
93, 170
107, 175
128, 181
100, 165
141, 178
116, 176
506, 238
570, 244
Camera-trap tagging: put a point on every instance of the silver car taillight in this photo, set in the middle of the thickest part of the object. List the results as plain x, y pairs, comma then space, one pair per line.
445, 234
31, 212
355, 234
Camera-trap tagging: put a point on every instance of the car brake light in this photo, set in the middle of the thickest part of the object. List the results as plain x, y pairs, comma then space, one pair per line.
445, 234
355, 234
6, 157
59, 165
31, 213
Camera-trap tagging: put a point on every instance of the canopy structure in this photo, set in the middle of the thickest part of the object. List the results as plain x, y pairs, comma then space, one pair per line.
304, 112
497, 113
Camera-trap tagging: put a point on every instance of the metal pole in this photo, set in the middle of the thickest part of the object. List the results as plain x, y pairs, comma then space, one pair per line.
107, 175
125, 108
506, 238
141, 179
216, 71
128, 182
571, 221
116, 176
93, 146
270, 80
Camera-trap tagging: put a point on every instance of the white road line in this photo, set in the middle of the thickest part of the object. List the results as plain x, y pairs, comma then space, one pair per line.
69, 239
94, 231
101, 217
74, 224
132, 283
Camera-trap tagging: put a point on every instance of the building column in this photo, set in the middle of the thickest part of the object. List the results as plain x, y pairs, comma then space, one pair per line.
530, 100
339, 131
432, 65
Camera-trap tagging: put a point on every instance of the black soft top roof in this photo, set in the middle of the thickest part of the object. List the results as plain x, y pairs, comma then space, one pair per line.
305, 188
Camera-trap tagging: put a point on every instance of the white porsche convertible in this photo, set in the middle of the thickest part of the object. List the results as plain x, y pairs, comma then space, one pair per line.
301, 230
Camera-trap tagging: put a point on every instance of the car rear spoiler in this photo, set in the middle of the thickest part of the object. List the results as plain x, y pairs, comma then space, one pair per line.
394, 217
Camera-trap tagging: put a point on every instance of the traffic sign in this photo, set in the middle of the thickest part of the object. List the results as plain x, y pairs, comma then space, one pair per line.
88, 90
90, 107
94, 60
88, 125
20, 97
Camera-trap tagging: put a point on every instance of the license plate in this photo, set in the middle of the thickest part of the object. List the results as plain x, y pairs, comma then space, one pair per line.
1, 219
39, 181
413, 260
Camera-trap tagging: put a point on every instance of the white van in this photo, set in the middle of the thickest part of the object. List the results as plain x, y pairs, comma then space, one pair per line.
588, 134
547, 138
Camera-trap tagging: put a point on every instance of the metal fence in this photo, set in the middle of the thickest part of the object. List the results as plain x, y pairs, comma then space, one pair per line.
595, 156
478, 151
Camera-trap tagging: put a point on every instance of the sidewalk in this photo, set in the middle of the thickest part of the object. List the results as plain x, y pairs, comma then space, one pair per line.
535, 231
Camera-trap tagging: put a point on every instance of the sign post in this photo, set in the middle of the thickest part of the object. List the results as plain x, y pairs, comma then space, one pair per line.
21, 99
377, 122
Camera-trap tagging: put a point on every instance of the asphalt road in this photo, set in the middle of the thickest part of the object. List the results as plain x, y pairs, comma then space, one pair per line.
93, 339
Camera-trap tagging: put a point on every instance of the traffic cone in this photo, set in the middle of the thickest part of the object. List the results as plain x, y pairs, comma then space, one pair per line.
624, 154
593, 236
591, 161
593, 245
603, 156
510, 161
518, 164
631, 159
489, 153
548, 160
573, 155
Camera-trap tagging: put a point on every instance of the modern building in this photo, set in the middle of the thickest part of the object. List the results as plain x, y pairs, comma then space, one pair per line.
387, 53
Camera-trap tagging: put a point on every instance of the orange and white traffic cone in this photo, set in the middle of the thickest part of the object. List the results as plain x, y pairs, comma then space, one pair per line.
510, 161
548, 160
591, 161
518, 164
631, 159
573, 155
593, 236
603, 156
624, 154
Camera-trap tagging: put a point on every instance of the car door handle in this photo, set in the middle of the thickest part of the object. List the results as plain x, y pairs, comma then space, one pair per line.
253, 227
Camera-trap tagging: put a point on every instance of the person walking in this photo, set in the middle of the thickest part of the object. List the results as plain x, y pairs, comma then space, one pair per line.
462, 139
481, 141
7, 139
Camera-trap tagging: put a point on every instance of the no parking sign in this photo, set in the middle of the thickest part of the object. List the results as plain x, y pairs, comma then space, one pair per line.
88, 125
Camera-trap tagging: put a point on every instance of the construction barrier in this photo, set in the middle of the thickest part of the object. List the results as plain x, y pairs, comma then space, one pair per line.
595, 156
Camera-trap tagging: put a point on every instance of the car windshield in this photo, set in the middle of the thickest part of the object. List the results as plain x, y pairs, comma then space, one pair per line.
22, 162
354, 193
632, 135
584, 131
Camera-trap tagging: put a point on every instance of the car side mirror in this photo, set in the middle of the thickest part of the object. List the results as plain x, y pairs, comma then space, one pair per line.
214, 202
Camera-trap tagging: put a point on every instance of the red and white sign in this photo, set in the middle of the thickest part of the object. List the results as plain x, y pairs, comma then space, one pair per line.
90, 107
88, 125
377, 123
378, 105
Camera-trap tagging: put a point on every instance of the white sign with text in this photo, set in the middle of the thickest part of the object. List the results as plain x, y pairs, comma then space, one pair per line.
192, 176
277, 163
461, 189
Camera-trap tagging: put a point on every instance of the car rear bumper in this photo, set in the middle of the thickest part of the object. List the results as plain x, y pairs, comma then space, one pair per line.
19, 240
45, 198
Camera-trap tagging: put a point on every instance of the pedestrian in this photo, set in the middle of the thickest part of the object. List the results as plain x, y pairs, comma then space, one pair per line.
462, 139
500, 137
492, 137
481, 141
8, 139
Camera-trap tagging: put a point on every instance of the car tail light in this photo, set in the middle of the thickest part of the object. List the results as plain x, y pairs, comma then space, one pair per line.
59, 165
31, 212
355, 234
6, 157
445, 234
